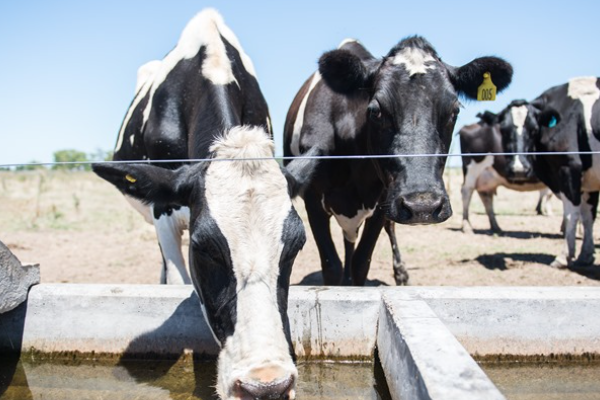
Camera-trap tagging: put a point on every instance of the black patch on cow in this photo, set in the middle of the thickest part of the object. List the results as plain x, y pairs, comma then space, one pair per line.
469, 77
417, 42
212, 273
293, 238
344, 71
487, 117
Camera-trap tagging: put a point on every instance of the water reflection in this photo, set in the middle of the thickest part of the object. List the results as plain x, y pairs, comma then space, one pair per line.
183, 379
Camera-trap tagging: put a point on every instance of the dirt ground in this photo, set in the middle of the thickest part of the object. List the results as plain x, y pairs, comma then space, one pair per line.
81, 230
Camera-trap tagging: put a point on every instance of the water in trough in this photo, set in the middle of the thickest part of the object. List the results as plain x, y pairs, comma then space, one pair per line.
545, 380
81, 379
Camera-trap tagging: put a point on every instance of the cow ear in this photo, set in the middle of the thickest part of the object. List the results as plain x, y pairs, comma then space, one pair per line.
488, 117
299, 171
469, 77
344, 72
148, 183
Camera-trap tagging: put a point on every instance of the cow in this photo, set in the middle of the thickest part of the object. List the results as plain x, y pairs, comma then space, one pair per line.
403, 104
202, 101
507, 132
568, 120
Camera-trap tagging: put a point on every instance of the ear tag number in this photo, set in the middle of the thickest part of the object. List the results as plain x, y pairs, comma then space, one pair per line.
487, 90
130, 178
552, 122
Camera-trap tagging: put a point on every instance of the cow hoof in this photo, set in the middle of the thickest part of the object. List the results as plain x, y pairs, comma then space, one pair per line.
401, 279
467, 228
559, 263
496, 230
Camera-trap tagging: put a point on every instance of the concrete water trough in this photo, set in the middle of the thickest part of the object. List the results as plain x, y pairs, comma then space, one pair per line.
426, 337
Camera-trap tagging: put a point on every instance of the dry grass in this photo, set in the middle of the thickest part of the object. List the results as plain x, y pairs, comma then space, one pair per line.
80, 229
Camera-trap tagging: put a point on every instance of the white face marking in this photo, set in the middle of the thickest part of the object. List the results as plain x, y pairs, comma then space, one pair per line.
295, 144
414, 60
519, 115
585, 90
249, 201
204, 30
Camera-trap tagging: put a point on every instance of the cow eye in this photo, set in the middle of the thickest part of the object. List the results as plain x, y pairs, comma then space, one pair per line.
374, 111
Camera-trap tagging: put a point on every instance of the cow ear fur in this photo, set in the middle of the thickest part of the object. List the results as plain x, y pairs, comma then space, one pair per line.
343, 71
469, 77
148, 183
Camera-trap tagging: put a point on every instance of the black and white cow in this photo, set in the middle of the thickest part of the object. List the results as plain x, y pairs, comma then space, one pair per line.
568, 116
203, 100
404, 103
507, 132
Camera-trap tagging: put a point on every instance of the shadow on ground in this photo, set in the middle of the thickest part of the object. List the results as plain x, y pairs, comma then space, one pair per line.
513, 234
316, 279
498, 261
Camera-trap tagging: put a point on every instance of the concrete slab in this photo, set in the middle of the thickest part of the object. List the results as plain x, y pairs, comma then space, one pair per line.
422, 359
420, 336
520, 321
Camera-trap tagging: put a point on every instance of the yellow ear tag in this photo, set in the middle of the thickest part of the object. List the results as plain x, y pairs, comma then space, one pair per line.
487, 90
130, 178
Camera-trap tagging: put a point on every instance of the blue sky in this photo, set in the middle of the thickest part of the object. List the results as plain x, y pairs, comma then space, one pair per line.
68, 68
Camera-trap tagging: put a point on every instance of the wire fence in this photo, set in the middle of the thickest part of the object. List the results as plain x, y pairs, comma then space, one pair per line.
290, 158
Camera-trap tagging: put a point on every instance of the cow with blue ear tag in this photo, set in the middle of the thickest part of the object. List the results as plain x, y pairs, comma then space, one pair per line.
569, 123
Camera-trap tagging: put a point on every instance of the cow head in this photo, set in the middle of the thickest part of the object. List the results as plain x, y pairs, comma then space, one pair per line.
244, 237
518, 125
411, 109
560, 132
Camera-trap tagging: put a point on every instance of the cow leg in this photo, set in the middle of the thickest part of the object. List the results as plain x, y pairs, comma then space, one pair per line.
331, 266
487, 198
169, 228
362, 257
400, 273
589, 203
571, 216
543, 206
467, 193
348, 256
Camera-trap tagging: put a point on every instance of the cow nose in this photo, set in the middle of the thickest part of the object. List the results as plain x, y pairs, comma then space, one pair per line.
421, 208
267, 384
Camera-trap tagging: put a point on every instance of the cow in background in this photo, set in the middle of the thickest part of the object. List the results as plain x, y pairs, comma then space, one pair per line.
402, 104
568, 119
508, 132
203, 101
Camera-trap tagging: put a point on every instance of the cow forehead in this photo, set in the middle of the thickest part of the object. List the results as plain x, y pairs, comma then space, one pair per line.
415, 60
250, 209
519, 115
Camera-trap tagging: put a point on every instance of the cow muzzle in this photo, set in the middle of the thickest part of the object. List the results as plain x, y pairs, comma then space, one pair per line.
420, 208
266, 383
517, 171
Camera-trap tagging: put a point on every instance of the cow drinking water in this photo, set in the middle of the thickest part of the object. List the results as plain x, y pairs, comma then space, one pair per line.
405, 103
203, 101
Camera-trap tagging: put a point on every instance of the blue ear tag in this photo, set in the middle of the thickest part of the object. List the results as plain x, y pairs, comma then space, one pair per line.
552, 122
